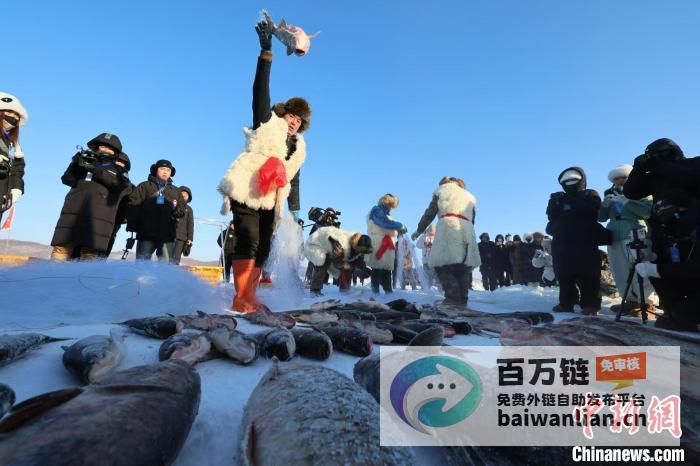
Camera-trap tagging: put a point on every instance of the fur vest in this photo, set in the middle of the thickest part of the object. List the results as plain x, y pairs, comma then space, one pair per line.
318, 247
455, 240
377, 235
240, 182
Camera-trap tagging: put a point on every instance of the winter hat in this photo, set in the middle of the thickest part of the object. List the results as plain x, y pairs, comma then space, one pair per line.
485, 235
162, 163
296, 106
499, 236
509, 238
388, 200
12, 103
517, 238
538, 234
188, 191
621, 171
125, 159
573, 179
105, 139
528, 237
664, 148
570, 177
361, 243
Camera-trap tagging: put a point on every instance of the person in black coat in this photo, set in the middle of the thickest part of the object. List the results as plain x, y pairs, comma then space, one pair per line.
184, 235
154, 207
573, 223
501, 262
229, 247
487, 251
673, 181
99, 182
531, 275
12, 117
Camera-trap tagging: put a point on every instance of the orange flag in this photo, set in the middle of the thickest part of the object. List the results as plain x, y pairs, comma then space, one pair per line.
7, 224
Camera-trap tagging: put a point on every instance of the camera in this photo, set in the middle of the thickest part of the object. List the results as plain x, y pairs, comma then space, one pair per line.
87, 158
324, 217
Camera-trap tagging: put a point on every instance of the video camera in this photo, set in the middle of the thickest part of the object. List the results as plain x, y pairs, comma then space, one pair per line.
324, 217
87, 158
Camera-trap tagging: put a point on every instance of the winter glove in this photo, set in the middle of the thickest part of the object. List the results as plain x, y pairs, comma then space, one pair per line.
6, 203
415, 236
16, 194
403, 231
647, 270
264, 35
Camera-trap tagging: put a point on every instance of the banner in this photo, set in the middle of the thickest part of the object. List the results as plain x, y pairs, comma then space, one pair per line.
7, 224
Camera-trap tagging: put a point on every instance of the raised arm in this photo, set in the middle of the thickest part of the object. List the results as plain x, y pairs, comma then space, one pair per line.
428, 217
262, 111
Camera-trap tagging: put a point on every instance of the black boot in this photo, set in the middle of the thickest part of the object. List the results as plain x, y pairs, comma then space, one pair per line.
375, 279
387, 281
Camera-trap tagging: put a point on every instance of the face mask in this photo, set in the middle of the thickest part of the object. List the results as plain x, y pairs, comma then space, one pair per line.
9, 122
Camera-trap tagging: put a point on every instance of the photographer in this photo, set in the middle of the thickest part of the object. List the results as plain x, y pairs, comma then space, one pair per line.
99, 181
673, 182
573, 223
383, 230
334, 251
155, 206
13, 116
624, 216
184, 234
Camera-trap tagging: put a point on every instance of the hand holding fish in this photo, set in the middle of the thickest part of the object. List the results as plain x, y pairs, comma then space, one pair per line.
294, 37
264, 31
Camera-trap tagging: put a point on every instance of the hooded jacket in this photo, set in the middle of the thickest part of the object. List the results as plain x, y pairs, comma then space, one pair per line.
185, 224
152, 221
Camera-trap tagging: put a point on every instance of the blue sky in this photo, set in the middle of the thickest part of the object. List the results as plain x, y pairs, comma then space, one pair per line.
504, 94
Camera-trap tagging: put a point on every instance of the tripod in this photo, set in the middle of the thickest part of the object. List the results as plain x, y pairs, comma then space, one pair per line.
637, 245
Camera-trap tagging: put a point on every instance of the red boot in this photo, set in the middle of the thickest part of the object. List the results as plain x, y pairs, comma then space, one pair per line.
245, 282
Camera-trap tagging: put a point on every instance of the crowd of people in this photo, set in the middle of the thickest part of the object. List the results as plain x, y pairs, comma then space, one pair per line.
652, 210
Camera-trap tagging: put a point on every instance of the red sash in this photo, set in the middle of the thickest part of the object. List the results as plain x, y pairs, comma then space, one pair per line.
387, 244
456, 215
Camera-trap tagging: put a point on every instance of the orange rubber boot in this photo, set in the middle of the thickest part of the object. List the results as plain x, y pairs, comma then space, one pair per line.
243, 279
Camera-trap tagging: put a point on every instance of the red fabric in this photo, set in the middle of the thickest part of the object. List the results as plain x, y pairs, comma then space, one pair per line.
272, 175
387, 243
7, 224
456, 215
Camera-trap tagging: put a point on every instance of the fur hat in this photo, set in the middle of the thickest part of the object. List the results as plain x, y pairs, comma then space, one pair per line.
162, 163
105, 139
388, 200
12, 103
528, 237
621, 171
484, 235
296, 106
361, 243
452, 179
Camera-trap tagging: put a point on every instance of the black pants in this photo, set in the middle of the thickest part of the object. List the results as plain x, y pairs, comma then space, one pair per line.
228, 262
503, 277
488, 278
253, 232
381, 278
177, 252
588, 284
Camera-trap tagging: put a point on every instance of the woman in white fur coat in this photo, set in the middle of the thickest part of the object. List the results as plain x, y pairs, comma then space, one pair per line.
263, 177
455, 251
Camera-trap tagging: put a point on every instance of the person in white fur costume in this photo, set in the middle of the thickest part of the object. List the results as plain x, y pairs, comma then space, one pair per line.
384, 231
263, 177
338, 253
455, 251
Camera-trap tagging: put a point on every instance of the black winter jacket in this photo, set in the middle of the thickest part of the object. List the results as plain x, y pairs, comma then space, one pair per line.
185, 226
152, 221
262, 112
487, 251
90, 210
229, 241
15, 178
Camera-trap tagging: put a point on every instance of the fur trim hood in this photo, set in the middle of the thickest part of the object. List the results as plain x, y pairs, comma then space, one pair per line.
12, 103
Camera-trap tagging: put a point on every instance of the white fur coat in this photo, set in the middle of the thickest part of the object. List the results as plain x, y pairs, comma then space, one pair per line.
240, 182
377, 235
455, 239
318, 246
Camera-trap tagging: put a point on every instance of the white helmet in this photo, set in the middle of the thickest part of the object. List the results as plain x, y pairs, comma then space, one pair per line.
10, 102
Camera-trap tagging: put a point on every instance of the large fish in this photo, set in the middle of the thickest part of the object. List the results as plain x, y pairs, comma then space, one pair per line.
378, 335
13, 347
203, 321
429, 337
191, 346
138, 416
399, 333
294, 37
419, 326
234, 344
277, 342
161, 327
270, 319
7, 399
92, 358
396, 315
304, 415
349, 340
461, 326
326, 305
311, 316
312, 343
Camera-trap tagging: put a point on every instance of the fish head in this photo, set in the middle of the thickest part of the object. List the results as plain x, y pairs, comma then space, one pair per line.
302, 41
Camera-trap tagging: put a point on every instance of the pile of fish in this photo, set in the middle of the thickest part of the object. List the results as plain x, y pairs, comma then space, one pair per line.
140, 415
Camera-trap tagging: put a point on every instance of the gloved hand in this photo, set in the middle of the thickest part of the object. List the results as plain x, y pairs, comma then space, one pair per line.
16, 194
608, 199
264, 35
403, 230
6, 203
415, 236
647, 270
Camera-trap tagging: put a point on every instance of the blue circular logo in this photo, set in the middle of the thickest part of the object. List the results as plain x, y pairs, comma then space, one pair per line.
435, 391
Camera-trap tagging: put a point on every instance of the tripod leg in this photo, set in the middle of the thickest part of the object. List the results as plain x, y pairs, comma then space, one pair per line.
630, 279
642, 300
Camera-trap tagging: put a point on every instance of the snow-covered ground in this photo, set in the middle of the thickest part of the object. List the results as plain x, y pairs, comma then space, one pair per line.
75, 300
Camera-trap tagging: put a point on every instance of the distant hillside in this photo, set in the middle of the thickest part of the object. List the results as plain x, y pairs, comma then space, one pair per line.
43, 251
